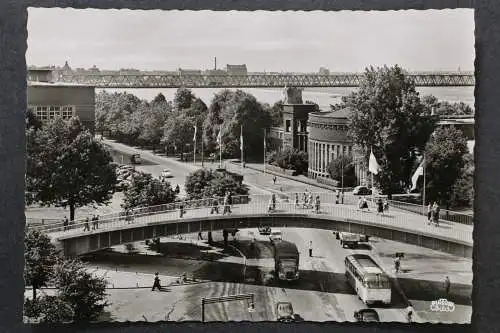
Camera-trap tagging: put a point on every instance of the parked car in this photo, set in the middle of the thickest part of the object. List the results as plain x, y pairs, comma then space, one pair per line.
166, 174
366, 315
284, 312
362, 190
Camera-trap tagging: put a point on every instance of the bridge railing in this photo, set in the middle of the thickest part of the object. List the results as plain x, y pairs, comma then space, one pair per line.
342, 212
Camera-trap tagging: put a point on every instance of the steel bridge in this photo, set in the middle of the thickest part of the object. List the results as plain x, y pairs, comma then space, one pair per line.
175, 80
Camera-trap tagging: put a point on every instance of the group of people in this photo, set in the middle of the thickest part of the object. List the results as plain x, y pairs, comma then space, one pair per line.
433, 213
308, 201
227, 202
95, 223
382, 205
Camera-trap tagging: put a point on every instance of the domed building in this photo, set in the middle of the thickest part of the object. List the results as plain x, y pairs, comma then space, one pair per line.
327, 140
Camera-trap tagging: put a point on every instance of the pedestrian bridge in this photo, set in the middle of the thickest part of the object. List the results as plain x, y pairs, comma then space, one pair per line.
253, 211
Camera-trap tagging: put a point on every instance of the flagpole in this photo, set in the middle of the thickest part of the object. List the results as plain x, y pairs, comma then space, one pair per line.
241, 148
220, 148
265, 151
202, 151
194, 149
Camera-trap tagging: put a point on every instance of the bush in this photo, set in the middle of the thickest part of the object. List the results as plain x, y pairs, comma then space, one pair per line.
290, 158
345, 165
205, 183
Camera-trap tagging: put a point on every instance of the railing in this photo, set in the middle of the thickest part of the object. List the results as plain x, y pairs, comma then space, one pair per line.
444, 214
346, 213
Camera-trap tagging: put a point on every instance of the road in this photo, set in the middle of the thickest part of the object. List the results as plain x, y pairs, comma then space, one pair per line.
321, 294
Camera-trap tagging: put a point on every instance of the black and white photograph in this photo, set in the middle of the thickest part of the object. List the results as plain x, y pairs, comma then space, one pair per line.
228, 166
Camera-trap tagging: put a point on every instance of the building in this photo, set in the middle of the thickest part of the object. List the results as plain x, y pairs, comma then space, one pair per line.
328, 140
49, 100
324, 71
236, 69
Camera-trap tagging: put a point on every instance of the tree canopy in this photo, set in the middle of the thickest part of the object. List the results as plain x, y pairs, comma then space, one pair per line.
388, 117
183, 98
445, 108
67, 167
207, 183
290, 158
147, 191
343, 165
445, 161
40, 256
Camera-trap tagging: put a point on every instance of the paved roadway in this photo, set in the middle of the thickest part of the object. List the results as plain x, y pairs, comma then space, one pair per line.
321, 294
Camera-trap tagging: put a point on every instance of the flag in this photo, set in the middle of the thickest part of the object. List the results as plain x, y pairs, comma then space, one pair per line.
195, 131
419, 172
241, 139
373, 165
219, 137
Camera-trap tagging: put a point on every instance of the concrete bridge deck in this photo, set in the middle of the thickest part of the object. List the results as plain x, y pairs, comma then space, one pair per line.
392, 220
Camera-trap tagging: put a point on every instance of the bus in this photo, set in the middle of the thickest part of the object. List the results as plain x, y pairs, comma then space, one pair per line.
369, 281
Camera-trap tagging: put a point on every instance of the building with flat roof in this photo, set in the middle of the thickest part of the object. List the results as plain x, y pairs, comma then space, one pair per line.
328, 140
49, 100
236, 69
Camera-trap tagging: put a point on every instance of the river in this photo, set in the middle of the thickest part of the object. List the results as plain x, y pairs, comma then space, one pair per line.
324, 97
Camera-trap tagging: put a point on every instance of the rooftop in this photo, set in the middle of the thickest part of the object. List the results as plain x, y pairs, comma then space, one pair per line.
343, 113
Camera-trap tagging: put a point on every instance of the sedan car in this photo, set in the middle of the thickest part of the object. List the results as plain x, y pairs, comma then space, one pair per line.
361, 190
166, 174
284, 312
366, 315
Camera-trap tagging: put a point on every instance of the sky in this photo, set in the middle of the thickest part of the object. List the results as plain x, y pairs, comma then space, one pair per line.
265, 41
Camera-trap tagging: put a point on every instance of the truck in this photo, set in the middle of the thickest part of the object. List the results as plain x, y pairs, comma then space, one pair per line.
286, 260
349, 239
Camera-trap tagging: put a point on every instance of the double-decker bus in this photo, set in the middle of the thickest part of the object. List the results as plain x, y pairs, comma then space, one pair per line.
368, 280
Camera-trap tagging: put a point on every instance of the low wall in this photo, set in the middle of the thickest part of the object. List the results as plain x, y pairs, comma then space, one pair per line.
86, 243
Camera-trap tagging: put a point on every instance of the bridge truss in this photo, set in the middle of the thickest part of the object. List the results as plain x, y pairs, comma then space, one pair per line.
146, 80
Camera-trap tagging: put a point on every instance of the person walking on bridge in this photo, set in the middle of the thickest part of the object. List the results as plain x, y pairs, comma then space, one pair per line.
310, 249
86, 224
318, 204
447, 286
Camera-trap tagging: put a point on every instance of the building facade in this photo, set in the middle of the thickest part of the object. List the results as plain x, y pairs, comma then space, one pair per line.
328, 140
48, 100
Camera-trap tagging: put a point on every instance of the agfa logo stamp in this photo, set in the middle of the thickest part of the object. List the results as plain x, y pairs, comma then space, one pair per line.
442, 305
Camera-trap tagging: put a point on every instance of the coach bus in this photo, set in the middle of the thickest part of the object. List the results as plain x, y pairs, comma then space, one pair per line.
368, 280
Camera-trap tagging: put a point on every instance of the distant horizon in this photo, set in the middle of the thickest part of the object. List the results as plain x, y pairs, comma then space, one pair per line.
345, 41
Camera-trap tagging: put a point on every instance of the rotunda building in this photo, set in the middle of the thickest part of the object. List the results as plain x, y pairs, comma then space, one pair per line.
327, 140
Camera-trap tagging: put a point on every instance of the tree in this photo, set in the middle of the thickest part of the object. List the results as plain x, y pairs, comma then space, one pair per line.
388, 117
196, 181
183, 98
85, 294
206, 183
67, 167
290, 158
463, 189
445, 161
40, 256
343, 165
276, 114
160, 98
147, 191
228, 112
153, 121
178, 132
32, 121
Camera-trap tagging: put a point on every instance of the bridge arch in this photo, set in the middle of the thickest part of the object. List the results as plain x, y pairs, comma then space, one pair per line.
84, 243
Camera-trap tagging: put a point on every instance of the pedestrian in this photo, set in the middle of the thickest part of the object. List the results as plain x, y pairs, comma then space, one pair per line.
86, 224
380, 206
447, 285
397, 264
274, 180
93, 221
226, 204
310, 201
215, 206
177, 189
181, 208
273, 201
296, 200
310, 248
386, 206
337, 197
409, 312
342, 197
437, 210
229, 201
429, 213
200, 236
156, 283
97, 221
65, 223
304, 198
318, 203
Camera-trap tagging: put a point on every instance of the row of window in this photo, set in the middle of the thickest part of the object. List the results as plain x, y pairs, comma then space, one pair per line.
51, 112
